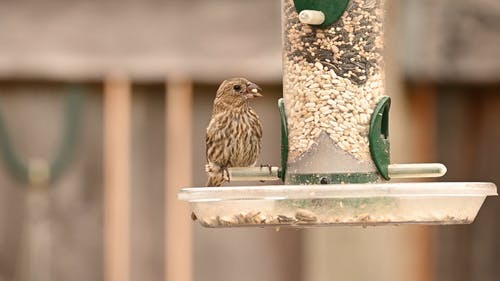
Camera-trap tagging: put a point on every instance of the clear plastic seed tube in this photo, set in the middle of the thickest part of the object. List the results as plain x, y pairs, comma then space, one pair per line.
333, 78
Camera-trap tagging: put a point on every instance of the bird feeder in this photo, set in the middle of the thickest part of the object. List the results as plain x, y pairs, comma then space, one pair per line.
335, 137
334, 96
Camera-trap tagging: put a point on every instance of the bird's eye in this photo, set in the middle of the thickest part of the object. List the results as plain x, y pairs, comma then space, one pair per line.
237, 87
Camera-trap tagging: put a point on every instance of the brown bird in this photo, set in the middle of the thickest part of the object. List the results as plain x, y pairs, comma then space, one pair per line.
235, 132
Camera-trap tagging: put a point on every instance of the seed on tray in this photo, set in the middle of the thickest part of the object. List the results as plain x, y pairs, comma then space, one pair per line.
305, 215
286, 219
225, 220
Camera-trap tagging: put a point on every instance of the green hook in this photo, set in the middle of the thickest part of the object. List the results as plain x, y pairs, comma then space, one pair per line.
379, 137
332, 9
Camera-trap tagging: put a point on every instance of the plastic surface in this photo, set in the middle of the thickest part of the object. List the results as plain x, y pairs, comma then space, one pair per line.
312, 17
332, 9
333, 78
416, 170
338, 204
379, 137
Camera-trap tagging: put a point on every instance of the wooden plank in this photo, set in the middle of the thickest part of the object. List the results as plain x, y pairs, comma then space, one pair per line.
423, 98
117, 104
178, 226
81, 50
462, 39
424, 117
470, 140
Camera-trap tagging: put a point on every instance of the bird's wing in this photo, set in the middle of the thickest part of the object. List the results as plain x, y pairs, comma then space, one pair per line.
215, 142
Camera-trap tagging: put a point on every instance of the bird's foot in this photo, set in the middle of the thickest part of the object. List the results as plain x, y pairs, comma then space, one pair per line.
225, 174
268, 166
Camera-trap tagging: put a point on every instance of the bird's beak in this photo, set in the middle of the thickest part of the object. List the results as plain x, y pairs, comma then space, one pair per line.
253, 91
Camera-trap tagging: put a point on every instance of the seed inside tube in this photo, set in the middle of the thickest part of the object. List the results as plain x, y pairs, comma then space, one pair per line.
333, 78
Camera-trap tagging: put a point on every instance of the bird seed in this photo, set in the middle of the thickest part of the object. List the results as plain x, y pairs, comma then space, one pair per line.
333, 77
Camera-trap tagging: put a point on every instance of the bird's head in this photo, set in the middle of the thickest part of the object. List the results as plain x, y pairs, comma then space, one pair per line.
237, 90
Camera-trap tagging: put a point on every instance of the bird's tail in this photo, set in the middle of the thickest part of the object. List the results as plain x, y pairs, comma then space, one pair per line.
215, 174
215, 178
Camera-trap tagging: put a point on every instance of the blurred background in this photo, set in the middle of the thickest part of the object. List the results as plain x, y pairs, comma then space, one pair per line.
103, 110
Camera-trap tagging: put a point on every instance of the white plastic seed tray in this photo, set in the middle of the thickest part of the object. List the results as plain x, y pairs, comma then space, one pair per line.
338, 204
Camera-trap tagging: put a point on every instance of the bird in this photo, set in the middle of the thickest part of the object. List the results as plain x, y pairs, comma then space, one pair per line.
234, 133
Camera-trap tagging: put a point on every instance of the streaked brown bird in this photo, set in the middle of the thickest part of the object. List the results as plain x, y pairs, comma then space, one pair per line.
235, 132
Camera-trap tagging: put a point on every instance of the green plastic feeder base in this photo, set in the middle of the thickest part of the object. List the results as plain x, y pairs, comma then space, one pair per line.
341, 178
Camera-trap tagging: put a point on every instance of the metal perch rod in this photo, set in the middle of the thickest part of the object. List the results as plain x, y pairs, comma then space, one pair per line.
263, 173
417, 170
396, 171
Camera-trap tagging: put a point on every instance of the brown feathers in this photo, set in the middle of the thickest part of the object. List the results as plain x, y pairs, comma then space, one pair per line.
235, 132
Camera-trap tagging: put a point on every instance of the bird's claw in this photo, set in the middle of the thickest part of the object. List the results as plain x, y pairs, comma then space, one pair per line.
268, 166
225, 174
